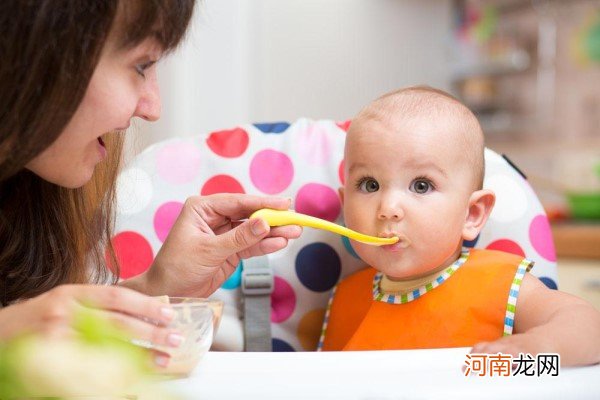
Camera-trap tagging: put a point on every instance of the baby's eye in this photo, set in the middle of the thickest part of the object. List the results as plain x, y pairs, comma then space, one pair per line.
368, 185
421, 186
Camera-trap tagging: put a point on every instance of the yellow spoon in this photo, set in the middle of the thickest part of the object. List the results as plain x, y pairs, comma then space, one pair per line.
279, 218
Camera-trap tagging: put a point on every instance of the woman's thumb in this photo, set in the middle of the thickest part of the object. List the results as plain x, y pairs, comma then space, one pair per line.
243, 236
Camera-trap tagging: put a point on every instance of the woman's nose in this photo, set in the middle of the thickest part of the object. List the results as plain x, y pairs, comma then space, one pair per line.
149, 106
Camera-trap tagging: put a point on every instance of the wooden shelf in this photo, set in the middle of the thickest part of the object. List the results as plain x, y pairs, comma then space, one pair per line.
581, 240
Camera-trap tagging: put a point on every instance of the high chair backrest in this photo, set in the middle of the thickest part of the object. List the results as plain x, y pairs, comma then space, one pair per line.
303, 161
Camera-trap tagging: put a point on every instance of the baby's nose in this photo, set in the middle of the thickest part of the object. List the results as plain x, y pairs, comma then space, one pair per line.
390, 211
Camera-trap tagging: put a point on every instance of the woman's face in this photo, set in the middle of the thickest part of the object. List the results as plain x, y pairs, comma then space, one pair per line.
124, 85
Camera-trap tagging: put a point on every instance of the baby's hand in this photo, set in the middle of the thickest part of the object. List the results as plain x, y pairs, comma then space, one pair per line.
526, 343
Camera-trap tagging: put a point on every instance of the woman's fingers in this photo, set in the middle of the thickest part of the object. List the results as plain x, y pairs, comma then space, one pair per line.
287, 231
161, 359
266, 246
124, 300
143, 332
234, 206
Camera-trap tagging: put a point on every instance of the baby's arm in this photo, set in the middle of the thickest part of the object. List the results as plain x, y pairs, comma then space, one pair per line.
549, 321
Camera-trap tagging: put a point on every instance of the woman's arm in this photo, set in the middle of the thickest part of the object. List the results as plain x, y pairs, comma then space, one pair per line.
207, 242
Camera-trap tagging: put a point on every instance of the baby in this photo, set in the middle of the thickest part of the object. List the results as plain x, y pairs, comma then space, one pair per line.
414, 169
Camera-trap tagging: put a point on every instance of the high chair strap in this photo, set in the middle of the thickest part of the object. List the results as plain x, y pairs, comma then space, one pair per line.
257, 285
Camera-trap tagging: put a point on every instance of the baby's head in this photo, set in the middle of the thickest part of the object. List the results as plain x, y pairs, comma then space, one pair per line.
414, 168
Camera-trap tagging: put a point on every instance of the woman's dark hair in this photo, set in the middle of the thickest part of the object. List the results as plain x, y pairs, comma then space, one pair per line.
49, 49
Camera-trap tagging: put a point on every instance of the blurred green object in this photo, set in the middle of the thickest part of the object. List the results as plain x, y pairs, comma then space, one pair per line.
592, 40
486, 26
100, 361
584, 205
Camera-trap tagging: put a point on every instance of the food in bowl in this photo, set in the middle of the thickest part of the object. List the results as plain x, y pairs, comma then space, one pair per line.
197, 320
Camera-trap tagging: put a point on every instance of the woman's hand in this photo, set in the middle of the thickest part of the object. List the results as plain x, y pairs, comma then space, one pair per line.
51, 314
207, 242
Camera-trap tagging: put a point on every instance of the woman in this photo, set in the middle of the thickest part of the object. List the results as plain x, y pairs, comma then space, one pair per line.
73, 75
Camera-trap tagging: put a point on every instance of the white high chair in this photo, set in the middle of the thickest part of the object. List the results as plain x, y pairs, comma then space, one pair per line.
303, 161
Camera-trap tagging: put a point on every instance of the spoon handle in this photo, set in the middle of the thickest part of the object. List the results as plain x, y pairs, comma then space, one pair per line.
281, 217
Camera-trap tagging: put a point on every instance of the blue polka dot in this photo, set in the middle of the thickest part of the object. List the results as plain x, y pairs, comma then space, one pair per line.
235, 280
470, 243
549, 282
280, 346
318, 267
274, 127
349, 247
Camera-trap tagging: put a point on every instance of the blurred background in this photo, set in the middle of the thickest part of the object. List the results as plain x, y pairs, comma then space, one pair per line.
529, 69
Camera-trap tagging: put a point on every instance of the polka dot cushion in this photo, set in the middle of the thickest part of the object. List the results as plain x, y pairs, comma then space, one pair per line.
303, 161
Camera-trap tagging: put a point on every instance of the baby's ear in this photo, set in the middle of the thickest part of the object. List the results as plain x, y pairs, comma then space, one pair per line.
341, 193
481, 203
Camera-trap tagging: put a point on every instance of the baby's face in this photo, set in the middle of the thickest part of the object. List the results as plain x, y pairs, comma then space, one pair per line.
409, 179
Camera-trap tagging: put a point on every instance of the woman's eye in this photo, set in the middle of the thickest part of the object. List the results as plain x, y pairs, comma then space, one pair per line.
421, 186
141, 68
369, 185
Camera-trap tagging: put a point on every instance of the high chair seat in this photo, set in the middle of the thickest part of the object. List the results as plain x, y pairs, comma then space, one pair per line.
303, 161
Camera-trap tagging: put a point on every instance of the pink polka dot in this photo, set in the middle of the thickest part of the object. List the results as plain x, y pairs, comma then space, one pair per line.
319, 201
178, 162
221, 184
540, 236
344, 125
313, 144
165, 217
506, 245
341, 172
271, 171
230, 143
283, 300
134, 254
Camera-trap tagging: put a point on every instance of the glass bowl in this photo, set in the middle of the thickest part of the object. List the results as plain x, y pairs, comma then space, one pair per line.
197, 320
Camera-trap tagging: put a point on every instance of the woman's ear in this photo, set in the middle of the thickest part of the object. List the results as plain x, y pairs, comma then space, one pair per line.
481, 204
341, 193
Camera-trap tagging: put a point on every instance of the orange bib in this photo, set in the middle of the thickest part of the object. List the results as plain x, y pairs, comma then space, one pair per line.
468, 307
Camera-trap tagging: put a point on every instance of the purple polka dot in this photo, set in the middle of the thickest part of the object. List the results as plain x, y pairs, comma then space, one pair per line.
314, 144
178, 162
271, 171
318, 200
549, 282
283, 300
165, 217
470, 243
540, 236
318, 266
281, 345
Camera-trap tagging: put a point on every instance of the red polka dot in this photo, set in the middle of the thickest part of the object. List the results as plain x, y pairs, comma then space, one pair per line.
231, 143
318, 200
134, 254
221, 184
344, 125
506, 245
341, 172
165, 217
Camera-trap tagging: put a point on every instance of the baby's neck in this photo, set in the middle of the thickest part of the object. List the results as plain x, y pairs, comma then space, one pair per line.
410, 282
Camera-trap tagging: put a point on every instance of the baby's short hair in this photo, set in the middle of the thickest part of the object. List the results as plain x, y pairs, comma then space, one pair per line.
414, 100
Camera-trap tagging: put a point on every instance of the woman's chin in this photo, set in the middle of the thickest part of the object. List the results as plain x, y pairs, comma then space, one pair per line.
76, 179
